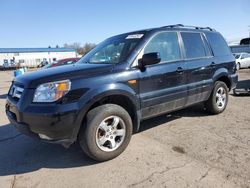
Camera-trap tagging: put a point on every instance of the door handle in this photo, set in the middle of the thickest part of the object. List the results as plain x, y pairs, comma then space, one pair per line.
179, 70
212, 64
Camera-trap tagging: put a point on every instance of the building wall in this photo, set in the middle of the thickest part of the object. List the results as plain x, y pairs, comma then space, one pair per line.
240, 48
34, 58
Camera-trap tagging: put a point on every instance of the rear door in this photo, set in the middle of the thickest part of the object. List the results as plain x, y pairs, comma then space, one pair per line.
162, 86
200, 66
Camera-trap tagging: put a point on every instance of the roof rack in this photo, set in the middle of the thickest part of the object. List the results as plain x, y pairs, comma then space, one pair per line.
188, 26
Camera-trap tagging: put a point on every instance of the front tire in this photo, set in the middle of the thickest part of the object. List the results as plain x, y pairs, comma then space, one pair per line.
107, 133
218, 99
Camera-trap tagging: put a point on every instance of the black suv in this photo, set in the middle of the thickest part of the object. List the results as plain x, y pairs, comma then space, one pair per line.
101, 100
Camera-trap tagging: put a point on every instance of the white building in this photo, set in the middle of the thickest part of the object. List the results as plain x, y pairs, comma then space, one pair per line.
31, 57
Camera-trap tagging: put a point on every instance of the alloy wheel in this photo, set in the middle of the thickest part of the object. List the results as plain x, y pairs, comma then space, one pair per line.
110, 133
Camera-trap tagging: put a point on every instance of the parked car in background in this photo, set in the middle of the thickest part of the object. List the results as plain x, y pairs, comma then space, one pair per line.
245, 41
43, 63
242, 60
9, 64
62, 62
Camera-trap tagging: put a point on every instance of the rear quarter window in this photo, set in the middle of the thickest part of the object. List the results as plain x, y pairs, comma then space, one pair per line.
218, 44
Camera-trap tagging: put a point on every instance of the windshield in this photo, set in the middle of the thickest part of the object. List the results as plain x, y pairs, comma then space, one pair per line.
113, 50
237, 56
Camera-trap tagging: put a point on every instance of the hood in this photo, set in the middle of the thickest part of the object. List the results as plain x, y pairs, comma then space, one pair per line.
33, 79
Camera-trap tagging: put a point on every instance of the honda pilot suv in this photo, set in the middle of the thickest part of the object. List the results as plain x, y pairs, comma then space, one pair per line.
101, 100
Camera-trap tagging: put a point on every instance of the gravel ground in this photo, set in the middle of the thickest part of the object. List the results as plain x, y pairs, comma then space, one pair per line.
187, 148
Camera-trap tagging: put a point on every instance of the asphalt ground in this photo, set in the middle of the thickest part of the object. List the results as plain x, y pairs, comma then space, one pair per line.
187, 148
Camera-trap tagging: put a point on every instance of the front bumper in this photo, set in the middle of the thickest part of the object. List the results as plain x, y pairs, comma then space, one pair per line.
43, 125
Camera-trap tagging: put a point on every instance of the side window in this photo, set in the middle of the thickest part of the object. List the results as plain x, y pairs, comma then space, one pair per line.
218, 44
166, 44
193, 45
244, 56
68, 62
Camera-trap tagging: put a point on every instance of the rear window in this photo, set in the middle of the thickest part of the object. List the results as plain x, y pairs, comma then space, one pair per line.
218, 44
193, 45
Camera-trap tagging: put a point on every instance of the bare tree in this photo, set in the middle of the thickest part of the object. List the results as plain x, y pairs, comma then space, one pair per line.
82, 50
87, 47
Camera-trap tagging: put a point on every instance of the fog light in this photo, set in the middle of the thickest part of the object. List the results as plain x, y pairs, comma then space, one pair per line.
45, 137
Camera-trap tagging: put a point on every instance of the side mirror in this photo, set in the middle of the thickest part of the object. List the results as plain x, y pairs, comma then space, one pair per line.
149, 59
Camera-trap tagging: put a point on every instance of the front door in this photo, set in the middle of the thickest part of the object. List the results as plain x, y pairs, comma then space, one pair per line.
162, 86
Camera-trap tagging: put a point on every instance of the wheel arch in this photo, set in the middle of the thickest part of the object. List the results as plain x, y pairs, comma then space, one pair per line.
226, 80
124, 97
122, 100
223, 76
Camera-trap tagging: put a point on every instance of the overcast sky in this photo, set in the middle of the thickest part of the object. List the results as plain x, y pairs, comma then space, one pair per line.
40, 23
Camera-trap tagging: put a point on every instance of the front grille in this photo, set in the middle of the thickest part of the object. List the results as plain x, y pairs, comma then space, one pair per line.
16, 92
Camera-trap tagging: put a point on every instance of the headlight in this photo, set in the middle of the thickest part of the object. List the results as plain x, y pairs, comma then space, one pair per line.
52, 91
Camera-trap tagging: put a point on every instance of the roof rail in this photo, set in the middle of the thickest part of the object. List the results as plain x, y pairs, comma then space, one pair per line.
188, 26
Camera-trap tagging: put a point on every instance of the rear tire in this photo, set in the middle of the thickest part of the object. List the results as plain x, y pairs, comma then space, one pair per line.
235, 92
107, 132
218, 99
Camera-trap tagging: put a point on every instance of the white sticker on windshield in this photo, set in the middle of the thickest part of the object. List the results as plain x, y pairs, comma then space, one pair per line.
135, 36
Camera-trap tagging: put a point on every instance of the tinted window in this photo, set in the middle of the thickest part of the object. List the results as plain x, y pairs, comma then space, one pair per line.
166, 44
193, 45
218, 44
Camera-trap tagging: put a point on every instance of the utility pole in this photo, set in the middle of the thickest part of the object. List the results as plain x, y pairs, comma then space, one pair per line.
249, 30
